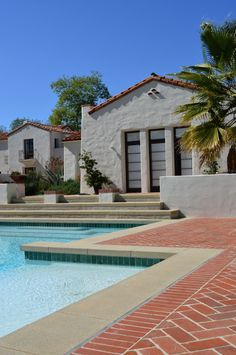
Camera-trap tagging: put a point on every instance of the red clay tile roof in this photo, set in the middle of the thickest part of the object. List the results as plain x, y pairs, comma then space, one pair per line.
141, 83
73, 137
3, 136
60, 129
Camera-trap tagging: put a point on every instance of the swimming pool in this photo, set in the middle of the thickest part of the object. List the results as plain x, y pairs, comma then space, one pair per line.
31, 290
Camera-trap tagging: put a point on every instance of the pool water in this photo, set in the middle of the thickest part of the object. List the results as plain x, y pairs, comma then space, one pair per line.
30, 290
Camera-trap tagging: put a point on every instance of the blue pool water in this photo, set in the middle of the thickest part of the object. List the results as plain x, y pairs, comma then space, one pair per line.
30, 290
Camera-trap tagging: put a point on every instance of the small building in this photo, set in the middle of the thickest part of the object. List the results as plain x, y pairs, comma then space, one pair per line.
30, 146
135, 135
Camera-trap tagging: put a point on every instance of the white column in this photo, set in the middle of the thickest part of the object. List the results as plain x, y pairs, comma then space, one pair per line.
145, 165
170, 152
195, 163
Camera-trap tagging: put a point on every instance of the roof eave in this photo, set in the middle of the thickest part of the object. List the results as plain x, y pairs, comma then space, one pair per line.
140, 84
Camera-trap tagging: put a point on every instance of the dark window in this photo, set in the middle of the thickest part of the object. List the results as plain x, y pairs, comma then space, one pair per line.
157, 157
133, 162
56, 143
183, 159
28, 148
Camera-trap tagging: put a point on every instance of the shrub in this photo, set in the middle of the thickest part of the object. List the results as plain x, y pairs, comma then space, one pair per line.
35, 183
54, 169
211, 168
69, 187
93, 176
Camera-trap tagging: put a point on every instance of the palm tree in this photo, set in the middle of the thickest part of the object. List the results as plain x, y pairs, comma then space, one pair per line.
212, 110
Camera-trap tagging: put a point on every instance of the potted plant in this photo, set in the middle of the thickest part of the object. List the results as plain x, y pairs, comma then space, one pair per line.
18, 177
108, 193
93, 176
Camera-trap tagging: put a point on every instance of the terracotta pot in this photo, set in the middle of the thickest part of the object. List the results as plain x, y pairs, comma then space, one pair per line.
19, 179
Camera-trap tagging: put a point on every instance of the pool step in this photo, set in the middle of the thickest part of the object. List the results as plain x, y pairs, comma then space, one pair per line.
86, 206
101, 214
60, 220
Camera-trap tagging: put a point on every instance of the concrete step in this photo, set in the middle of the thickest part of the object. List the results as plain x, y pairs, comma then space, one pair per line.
102, 214
137, 197
28, 200
85, 206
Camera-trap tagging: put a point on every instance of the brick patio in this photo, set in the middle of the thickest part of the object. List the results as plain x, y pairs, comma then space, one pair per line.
196, 315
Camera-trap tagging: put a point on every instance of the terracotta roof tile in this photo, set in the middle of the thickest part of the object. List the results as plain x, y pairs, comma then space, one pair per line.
3, 136
73, 137
141, 83
60, 129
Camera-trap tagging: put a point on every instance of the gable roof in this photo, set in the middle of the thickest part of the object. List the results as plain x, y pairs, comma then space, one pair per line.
3, 136
73, 137
155, 77
60, 129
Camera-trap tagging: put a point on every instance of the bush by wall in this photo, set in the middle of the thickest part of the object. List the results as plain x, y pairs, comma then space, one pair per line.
69, 187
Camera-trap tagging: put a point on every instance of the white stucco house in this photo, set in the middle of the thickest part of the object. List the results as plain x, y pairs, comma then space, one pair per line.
134, 136
31, 145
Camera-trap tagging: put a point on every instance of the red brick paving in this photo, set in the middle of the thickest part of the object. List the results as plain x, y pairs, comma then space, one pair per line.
196, 315
195, 233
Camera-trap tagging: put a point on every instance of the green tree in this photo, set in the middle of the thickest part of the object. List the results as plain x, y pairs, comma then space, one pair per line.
213, 106
2, 129
73, 92
19, 121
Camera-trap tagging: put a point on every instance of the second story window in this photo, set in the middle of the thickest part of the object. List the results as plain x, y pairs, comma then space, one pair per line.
56, 143
28, 148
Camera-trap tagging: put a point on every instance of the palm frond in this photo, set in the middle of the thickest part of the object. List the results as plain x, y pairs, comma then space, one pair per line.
218, 43
192, 111
205, 137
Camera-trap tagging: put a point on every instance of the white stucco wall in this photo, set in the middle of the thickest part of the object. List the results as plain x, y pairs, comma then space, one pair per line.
71, 160
200, 195
20, 190
57, 152
3, 156
42, 145
103, 131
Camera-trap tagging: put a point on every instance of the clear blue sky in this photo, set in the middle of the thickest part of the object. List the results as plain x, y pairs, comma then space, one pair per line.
125, 40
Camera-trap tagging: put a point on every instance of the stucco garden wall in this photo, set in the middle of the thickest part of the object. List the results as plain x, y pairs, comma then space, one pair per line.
201, 195
7, 193
71, 160
103, 131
